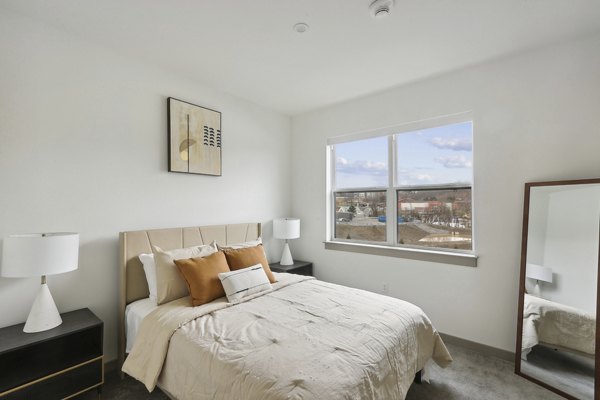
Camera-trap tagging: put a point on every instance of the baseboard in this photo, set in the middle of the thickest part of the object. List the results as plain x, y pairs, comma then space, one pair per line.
111, 366
480, 348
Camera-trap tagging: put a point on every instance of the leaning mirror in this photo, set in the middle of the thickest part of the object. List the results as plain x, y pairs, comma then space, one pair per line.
556, 336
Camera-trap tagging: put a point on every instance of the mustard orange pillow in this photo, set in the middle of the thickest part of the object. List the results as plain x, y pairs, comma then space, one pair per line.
246, 257
202, 276
169, 283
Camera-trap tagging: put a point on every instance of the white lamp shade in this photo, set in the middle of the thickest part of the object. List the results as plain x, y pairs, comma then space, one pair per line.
286, 228
539, 272
39, 254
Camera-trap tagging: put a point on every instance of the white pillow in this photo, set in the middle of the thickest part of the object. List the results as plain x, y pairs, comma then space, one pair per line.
244, 282
243, 245
170, 285
150, 271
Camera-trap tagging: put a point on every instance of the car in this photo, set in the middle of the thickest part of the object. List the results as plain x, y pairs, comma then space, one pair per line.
382, 218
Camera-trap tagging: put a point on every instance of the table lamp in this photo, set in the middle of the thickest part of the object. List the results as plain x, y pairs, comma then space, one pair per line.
286, 228
539, 273
40, 254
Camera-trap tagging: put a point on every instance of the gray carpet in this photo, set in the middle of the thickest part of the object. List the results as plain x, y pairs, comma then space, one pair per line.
472, 376
571, 373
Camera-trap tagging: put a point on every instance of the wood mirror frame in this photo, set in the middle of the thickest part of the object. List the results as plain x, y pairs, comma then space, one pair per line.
522, 289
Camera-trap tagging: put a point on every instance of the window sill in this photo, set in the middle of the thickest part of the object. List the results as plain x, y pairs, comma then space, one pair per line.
443, 257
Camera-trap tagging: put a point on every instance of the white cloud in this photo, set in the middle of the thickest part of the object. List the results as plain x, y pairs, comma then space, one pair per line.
456, 144
361, 167
415, 179
414, 176
423, 177
458, 161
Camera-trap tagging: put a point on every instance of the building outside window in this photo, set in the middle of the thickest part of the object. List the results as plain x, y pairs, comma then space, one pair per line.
409, 188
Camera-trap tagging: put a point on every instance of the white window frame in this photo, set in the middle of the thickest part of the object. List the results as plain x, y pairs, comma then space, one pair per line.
391, 247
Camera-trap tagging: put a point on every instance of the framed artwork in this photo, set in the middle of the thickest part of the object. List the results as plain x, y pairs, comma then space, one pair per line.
194, 138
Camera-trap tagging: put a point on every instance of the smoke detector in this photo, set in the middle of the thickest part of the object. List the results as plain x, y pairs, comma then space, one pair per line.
381, 8
301, 27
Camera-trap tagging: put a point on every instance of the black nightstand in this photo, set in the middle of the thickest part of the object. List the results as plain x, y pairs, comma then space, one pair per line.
299, 268
55, 364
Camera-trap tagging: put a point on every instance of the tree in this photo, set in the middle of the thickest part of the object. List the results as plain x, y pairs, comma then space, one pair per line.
352, 209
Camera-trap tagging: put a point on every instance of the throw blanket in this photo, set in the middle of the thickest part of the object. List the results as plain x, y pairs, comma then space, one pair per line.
306, 339
556, 324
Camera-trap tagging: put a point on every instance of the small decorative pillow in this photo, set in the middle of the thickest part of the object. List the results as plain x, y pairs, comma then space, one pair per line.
147, 260
248, 256
244, 282
170, 285
202, 277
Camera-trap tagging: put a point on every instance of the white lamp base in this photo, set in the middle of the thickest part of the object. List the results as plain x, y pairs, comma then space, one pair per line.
43, 314
286, 256
536, 289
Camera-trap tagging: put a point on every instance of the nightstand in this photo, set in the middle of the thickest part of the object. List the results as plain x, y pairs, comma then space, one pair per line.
55, 364
299, 268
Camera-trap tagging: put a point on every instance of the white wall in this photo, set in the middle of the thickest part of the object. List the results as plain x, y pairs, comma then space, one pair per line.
537, 224
535, 118
83, 147
571, 247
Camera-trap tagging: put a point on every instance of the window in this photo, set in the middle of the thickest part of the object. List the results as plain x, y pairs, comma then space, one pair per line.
358, 216
408, 187
439, 218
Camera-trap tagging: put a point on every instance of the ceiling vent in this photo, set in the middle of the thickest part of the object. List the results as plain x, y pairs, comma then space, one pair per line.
381, 8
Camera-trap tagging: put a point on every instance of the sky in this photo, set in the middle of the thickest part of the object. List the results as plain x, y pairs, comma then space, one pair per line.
432, 156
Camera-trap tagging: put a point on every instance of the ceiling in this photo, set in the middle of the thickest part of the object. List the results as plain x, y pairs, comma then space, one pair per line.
249, 49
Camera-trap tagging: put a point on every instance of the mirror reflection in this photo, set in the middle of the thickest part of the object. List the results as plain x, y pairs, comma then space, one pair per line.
558, 330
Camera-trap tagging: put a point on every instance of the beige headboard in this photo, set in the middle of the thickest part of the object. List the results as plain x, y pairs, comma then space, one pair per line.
133, 285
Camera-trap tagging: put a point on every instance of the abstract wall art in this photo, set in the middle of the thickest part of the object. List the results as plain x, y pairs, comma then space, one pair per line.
194, 138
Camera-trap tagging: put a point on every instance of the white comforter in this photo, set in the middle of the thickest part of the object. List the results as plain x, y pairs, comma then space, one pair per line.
556, 324
307, 339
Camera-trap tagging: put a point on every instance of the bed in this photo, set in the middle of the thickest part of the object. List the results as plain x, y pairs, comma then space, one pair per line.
304, 339
557, 325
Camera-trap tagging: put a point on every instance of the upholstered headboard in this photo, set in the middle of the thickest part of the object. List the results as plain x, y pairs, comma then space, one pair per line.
133, 285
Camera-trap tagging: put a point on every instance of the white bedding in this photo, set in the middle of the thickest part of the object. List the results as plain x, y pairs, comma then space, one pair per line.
134, 314
546, 321
306, 339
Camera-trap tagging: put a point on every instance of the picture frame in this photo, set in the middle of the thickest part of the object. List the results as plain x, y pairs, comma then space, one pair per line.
195, 139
